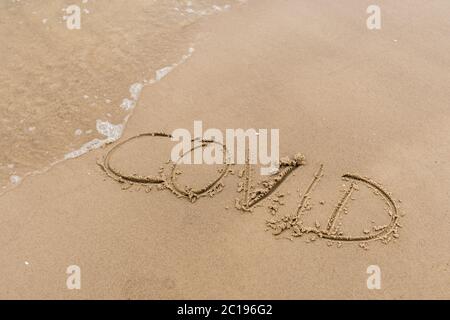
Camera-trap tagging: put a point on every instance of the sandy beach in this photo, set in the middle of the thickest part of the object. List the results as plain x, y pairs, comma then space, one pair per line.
369, 103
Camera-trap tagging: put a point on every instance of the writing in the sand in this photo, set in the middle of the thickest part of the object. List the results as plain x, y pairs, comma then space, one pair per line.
253, 194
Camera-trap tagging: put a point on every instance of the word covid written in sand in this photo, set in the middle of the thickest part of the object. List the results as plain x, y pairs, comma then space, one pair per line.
263, 193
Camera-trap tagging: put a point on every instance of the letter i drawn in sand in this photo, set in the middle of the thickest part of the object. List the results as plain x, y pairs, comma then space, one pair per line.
338, 209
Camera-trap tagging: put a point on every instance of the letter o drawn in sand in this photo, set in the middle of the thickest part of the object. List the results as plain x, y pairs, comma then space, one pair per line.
211, 188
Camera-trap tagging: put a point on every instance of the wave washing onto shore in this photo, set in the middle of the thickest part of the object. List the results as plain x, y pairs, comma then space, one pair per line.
65, 92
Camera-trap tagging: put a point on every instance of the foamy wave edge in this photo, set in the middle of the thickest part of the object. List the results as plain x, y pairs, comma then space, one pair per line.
113, 132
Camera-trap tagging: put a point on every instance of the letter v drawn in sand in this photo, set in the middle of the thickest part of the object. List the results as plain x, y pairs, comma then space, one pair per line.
251, 195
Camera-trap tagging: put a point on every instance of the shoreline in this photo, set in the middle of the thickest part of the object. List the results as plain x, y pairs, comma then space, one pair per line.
317, 77
38, 135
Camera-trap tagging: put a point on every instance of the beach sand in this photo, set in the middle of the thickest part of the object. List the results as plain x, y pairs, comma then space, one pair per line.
373, 103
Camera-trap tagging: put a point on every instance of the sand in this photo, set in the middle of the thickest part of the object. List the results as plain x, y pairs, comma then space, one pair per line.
360, 105
62, 89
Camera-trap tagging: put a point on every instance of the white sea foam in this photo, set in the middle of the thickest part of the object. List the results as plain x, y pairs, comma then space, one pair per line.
208, 11
91, 145
135, 90
112, 132
161, 73
127, 104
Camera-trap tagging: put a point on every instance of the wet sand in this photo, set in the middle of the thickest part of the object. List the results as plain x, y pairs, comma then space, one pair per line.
372, 103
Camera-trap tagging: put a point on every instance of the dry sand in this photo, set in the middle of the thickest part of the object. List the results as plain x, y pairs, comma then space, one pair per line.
372, 103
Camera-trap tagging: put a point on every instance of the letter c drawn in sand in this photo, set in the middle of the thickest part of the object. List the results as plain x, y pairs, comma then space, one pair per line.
120, 177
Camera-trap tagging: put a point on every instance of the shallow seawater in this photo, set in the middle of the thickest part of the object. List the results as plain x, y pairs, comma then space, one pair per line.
65, 91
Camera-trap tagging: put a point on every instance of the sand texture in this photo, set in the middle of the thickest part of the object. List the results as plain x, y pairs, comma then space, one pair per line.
364, 120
